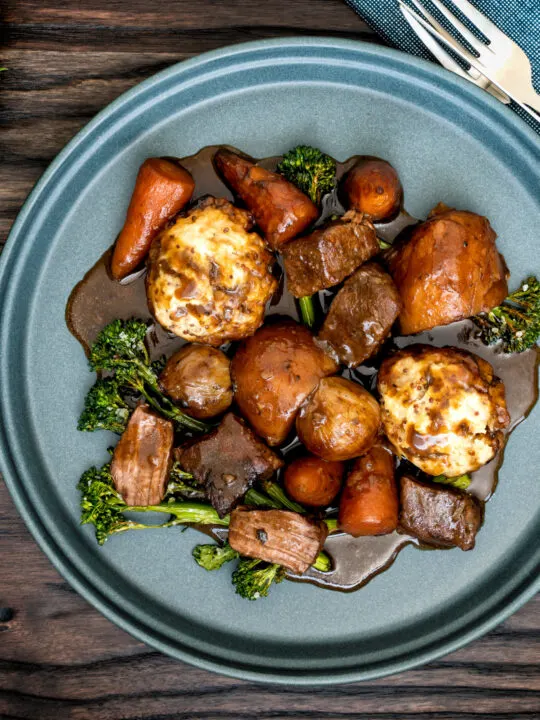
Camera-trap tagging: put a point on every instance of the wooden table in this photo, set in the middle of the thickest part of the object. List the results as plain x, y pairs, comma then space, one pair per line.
59, 658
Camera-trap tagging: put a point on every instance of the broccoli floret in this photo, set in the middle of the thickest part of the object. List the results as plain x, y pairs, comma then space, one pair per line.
120, 348
158, 365
212, 557
516, 322
181, 484
307, 310
253, 578
104, 408
120, 342
104, 508
461, 482
313, 172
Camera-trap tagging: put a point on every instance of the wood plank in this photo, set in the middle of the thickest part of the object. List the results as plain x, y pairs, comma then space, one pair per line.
59, 658
209, 14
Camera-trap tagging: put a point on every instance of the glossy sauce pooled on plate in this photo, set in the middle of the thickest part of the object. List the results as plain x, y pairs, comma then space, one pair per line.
98, 299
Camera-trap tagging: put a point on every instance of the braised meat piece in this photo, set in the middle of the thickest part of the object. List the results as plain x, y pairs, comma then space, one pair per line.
142, 459
273, 372
228, 461
361, 315
277, 536
439, 514
280, 209
329, 254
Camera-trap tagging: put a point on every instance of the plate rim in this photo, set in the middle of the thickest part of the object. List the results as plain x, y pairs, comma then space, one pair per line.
16, 486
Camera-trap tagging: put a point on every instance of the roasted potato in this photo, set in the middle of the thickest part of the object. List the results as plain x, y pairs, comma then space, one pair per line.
312, 481
162, 189
442, 408
280, 209
449, 269
369, 501
198, 378
372, 186
339, 421
273, 372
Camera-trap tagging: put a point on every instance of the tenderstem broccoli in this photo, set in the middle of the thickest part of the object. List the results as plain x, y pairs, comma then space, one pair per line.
212, 557
314, 173
104, 508
461, 482
253, 578
276, 493
515, 323
307, 310
311, 170
104, 408
274, 496
120, 349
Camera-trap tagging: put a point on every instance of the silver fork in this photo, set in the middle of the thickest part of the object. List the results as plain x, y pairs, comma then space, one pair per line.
501, 61
444, 57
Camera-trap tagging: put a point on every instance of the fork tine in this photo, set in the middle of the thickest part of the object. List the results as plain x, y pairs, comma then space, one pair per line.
429, 41
473, 41
489, 29
446, 60
452, 44
447, 39
431, 19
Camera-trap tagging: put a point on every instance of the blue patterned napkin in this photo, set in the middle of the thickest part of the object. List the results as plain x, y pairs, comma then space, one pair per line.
519, 19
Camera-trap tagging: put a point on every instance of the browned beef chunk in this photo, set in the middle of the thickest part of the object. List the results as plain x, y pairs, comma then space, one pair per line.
277, 536
228, 461
361, 315
329, 254
439, 514
142, 459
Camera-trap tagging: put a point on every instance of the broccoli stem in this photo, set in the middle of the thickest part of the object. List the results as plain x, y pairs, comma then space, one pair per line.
332, 524
259, 499
307, 310
159, 402
461, 482
185, 513
276, 493
322, 562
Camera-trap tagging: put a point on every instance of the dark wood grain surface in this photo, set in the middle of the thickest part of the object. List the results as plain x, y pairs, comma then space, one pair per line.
59, 658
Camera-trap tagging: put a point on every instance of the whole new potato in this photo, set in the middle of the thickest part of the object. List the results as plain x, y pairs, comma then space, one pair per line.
273, 372
339, 420
372, 186
312, 481
198, 378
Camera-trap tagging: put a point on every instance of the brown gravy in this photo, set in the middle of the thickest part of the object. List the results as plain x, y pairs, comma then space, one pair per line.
97, 300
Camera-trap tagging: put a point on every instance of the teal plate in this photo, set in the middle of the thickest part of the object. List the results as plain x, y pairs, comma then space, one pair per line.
450, 141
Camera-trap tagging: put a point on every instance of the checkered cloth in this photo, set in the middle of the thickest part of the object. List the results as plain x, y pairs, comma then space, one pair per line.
519, 19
